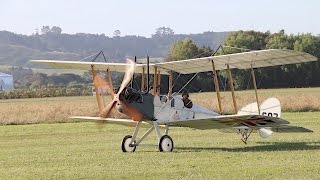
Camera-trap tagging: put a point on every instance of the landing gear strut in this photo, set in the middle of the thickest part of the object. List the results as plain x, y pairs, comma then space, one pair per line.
165, 142
245, 133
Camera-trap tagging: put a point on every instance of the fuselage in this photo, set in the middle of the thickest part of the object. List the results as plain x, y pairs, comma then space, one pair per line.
172, 109
164, 109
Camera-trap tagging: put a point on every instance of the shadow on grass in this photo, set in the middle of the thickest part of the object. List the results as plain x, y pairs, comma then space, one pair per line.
265, 146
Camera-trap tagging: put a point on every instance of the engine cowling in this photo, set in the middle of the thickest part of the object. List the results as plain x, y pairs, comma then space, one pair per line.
265, 132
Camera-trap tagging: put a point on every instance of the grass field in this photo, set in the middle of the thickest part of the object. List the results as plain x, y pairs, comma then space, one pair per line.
81, 151
49, 150
49, 110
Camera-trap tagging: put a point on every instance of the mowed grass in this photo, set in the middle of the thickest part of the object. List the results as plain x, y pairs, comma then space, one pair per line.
58, 109
51, 150
81, 151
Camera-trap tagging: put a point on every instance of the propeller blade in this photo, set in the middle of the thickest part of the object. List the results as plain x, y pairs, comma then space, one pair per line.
106, 111
103, 84
130, 111
100, 83
109, 84
128, 75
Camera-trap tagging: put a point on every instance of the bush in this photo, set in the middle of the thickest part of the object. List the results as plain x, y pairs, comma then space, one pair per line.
47, 92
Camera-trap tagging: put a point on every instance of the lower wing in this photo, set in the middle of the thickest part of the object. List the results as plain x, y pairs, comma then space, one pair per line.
240, 122
126, 122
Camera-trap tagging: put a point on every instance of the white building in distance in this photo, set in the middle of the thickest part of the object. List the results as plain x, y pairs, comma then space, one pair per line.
6, 82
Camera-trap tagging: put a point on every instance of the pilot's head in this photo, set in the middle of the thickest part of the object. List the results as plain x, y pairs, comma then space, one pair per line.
185, 95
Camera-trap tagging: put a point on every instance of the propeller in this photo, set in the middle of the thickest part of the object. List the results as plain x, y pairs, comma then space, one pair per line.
107, 85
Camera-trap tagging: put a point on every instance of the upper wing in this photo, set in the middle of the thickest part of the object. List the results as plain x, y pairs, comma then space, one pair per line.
117, 67
261, 58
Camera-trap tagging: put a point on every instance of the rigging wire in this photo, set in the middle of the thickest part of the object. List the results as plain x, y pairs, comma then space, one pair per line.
175, 81
188, 82
193, 88
89, 57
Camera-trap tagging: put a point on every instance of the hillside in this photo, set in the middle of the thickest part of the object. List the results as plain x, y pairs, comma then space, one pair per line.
17, 49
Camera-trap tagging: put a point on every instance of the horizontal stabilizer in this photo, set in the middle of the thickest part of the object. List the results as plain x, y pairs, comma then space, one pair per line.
280, 129
291, 129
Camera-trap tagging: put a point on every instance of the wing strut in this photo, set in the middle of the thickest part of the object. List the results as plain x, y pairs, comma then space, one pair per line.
96, 89
155, 80
148, 74
170, 84
216, 85
142, 79
132, 80
232, 90
255, 87
158, 83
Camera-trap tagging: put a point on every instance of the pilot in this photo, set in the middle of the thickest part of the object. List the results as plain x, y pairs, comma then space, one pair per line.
186, 101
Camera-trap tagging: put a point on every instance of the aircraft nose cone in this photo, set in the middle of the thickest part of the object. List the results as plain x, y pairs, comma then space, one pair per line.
119, 107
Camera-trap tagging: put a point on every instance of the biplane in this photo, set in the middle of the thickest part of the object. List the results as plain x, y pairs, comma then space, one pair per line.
161, 111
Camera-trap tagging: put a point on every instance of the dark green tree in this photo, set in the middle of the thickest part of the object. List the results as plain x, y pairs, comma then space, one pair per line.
184, 49
56, 30
163, 31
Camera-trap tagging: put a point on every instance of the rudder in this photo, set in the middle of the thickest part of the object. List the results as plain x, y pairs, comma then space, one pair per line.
269, 107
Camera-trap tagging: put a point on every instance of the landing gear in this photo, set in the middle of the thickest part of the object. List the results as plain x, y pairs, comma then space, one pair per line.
127, 144
245, 134
165, 144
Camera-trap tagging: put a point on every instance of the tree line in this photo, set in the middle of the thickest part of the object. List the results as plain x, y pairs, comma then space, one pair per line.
52, 43
30, 84
295, 75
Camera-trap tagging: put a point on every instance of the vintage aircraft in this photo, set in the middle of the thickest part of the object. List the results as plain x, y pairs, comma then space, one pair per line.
155, 110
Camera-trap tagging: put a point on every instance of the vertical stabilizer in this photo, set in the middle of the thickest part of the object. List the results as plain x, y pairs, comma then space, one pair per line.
269, 107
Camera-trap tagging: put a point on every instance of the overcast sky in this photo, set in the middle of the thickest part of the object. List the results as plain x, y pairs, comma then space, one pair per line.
142, 17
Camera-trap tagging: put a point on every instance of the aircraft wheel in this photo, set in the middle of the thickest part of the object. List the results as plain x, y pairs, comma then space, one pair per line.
165, 144
125, 146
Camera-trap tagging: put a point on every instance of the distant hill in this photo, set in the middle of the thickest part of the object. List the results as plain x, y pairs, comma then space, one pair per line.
17, 50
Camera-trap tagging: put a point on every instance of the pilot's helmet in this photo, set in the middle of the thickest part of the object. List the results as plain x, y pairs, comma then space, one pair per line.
185, 93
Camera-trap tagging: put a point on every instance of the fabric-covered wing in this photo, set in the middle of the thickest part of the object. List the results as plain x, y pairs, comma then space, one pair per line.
218, 122
261, 58
270, 57
290, 129
116, 67
125, 122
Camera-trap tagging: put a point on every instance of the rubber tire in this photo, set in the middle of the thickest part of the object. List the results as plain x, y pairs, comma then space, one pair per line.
123, 144
164, 142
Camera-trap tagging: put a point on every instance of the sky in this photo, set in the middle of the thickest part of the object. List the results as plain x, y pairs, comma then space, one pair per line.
143, 17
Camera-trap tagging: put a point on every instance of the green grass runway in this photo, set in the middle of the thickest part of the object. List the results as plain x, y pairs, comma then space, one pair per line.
81, 151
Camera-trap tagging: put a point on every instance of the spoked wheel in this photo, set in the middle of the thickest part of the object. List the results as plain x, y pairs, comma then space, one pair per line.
165, 144
126, 146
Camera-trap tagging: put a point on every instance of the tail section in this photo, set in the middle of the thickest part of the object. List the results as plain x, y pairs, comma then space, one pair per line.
269, 107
